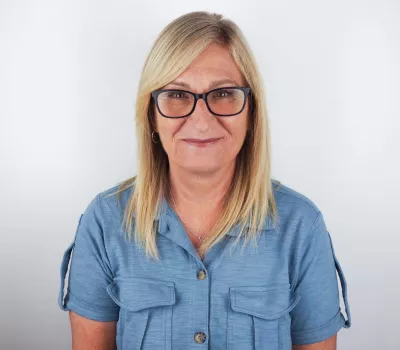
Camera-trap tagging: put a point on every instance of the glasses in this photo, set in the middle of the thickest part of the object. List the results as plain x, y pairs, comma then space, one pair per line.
224, 102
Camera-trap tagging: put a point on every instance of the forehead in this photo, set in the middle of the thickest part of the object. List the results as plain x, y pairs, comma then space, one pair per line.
215, 62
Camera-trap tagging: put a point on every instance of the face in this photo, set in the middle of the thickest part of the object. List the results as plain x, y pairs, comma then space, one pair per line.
213, 68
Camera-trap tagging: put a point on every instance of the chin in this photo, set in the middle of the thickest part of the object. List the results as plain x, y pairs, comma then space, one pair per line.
199, 167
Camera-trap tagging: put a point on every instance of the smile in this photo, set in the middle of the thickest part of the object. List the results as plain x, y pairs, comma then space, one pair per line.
201, 143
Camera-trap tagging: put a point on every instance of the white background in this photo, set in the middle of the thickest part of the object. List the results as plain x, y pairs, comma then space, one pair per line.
68, 77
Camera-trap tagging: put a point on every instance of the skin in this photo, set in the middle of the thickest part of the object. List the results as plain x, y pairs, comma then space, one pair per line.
328, 344
198, 176
92, 335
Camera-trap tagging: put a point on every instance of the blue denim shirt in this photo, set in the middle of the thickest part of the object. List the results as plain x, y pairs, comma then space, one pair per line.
284, 292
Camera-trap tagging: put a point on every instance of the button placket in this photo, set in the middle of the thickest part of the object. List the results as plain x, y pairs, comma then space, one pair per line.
201, 305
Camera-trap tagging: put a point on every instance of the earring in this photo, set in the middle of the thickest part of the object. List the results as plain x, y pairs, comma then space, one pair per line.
152, 137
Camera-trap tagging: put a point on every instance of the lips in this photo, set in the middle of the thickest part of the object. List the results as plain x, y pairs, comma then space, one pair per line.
202, 142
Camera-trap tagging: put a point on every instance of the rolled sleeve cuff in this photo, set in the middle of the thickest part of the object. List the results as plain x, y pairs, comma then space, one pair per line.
319, 334
95, 313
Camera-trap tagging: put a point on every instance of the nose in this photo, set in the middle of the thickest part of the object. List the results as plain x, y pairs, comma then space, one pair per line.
201, 116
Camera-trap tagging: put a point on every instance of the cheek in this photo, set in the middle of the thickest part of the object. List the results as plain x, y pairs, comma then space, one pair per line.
235, 130
167, 129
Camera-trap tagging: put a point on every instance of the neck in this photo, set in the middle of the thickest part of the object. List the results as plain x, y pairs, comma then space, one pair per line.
197, 198
199, 190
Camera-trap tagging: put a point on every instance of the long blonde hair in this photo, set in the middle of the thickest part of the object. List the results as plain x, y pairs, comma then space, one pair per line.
250, 198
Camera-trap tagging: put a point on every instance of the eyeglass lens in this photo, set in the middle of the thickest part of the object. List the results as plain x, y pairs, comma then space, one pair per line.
178, 103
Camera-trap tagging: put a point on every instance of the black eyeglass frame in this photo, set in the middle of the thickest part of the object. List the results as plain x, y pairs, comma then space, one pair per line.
246, 90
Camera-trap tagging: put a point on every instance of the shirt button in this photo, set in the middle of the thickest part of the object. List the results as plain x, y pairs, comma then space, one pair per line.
201, 274
199, 337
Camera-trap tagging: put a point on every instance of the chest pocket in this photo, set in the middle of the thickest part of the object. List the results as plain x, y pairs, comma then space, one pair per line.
258, 317
145, 320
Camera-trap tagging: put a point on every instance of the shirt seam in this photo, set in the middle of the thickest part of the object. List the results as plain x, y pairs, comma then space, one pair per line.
106, 230
316, 331
303, 243
90, 306
101, 233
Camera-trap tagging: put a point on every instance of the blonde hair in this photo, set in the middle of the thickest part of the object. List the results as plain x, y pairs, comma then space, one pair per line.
250, 198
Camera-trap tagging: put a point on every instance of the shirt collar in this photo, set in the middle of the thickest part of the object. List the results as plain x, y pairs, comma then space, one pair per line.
166, 210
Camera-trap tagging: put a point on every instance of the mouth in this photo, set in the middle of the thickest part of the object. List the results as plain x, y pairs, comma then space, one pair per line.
202, 142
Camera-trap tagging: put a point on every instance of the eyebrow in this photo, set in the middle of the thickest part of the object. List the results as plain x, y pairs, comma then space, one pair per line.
213, 83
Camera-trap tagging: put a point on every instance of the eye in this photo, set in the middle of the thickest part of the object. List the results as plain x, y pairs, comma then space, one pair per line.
178, 95
222, 93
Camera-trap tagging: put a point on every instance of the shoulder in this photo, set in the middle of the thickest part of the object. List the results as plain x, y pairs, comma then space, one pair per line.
299, 215
106, 207
288, 194
116, 197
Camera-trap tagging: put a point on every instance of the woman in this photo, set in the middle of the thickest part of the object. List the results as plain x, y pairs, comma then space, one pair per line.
164, 260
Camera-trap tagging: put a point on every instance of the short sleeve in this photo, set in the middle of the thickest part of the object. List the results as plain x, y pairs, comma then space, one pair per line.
90, 271
318, 316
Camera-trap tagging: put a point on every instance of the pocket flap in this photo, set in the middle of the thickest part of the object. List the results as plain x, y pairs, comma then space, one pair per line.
263, 302
135, 294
